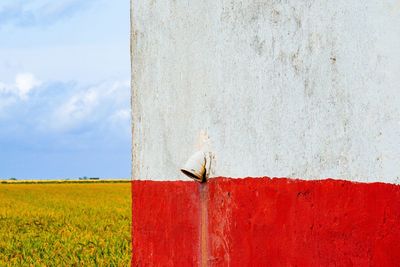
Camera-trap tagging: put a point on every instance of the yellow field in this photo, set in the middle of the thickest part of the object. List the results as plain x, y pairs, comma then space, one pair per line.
77, 224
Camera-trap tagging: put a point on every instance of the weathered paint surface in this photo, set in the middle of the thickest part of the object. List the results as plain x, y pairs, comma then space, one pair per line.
285, 88
266, 222
292, 88
282, 222
165, 224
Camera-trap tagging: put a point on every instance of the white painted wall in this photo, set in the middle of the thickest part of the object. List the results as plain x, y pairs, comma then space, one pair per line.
306, 89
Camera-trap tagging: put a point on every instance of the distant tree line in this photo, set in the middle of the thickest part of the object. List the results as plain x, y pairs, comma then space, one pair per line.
89, 178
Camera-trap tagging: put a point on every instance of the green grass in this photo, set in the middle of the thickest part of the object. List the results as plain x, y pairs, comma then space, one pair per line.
65, 224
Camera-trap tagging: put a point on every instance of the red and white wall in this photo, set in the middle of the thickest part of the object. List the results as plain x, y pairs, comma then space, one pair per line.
306, 90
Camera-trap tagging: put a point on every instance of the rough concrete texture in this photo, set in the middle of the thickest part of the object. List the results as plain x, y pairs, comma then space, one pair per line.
282, 222
165, 224
292, 88
265, 222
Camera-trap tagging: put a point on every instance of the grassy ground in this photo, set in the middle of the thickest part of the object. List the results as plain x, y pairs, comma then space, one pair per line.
65, 224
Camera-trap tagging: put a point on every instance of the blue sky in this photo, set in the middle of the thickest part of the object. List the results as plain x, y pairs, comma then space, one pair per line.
64, 89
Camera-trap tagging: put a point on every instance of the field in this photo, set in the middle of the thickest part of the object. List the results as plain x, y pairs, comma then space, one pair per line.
65, 224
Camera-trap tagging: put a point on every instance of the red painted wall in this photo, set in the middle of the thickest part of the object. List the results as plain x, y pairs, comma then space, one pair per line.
265, 222
165, 224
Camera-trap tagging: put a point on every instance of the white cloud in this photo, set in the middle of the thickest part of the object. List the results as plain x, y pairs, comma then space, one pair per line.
12, 94
21, 88
100, 104
24, 83
39, 12
75, 110
56, 108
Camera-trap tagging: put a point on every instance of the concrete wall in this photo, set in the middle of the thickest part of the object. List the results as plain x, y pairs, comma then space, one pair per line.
304, 89
307, 89
265, 222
